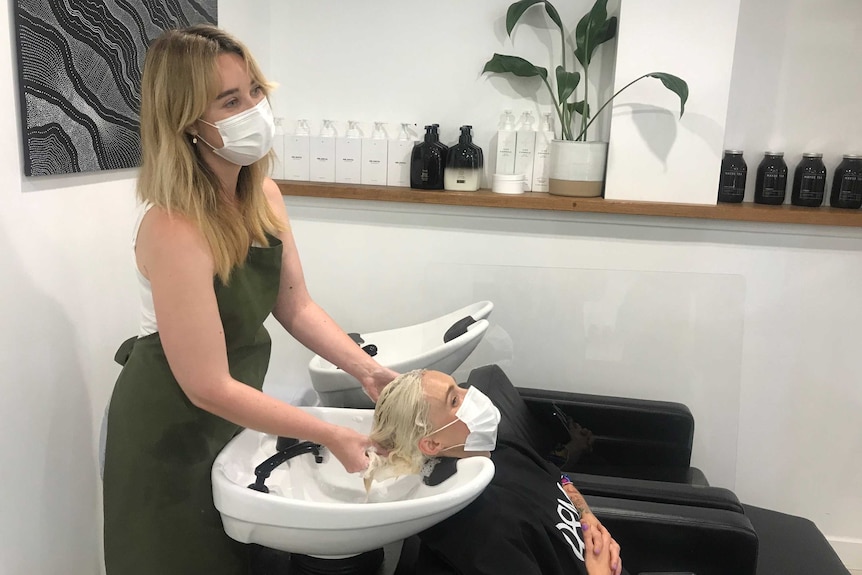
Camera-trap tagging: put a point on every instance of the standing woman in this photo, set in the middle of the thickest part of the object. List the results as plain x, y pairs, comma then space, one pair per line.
215, 256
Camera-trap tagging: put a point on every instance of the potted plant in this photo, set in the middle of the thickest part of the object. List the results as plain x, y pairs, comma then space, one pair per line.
577, 165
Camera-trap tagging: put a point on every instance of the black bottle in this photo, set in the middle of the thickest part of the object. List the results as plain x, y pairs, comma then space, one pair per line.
770, 187
847, 184
734, 171
464, 164
428, 162
809, 181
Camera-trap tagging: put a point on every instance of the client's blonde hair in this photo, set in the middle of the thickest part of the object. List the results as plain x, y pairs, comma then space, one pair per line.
400, 421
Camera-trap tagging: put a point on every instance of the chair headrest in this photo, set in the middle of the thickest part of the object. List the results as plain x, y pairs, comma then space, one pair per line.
517, 421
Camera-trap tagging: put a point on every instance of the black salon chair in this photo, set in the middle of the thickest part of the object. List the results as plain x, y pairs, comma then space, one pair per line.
631, 460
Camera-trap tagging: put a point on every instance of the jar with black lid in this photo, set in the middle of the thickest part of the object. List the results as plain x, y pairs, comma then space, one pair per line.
770, 186
731, 187
847, 183
809, 181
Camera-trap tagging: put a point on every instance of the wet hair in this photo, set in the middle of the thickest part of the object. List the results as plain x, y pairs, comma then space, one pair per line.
401, 419
179, 81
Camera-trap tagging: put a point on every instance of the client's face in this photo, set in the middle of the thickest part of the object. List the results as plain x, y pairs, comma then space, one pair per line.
444, 398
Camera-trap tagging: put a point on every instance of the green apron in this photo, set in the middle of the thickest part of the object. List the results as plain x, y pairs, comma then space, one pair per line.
159, 512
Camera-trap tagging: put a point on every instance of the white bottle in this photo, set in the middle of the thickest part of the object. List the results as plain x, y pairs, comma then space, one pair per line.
506, 144
374, 153
323, 154
542, 158
296, 164
348, 153
400, 150
277, 171
525, 147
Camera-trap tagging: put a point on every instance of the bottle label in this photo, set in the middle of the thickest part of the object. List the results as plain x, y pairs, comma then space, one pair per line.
851, 188
811, 187
774, 184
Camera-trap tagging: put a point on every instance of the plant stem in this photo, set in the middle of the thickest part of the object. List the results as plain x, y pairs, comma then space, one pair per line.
605, 105
558, 110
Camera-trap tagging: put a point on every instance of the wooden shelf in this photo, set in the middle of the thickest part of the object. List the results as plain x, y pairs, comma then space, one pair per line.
745, 212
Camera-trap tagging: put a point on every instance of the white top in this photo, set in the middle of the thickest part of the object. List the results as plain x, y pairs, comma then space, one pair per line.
148, 311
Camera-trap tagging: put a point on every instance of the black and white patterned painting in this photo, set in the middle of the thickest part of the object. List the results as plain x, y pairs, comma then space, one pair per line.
79, 77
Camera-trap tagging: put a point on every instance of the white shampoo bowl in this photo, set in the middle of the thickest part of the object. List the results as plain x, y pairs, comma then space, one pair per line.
404, 349
320, 509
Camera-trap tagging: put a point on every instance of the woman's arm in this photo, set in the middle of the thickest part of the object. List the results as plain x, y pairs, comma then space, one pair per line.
309, 323
176, 259
598, 538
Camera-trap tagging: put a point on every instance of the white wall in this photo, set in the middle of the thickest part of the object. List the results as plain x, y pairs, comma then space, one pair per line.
67, 295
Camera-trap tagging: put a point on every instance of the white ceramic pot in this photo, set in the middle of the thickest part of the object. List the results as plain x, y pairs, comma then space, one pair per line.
577, 168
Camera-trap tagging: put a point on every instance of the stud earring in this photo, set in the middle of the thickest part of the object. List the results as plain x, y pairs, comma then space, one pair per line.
195, 139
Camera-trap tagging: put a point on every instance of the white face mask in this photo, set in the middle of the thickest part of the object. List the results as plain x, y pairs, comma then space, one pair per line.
481, 417
247, 136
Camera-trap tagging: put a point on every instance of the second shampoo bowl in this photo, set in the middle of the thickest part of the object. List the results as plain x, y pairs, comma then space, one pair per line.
404, 349
319, 509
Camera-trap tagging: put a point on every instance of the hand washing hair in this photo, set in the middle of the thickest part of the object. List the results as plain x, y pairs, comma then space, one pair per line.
400, 421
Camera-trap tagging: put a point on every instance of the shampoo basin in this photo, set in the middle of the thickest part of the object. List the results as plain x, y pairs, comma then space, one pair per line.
404, 349
319, 509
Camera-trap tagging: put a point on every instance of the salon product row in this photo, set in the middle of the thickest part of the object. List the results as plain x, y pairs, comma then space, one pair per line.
428, 164
808, 187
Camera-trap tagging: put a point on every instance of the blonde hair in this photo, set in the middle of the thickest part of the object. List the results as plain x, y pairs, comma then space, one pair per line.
400, 420
179, 81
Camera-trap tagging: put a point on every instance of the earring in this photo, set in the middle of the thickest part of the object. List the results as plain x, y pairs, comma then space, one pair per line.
194, 139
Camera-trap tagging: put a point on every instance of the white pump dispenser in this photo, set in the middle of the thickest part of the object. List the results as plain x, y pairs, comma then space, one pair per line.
375, 151
296, 164
348, 153
323, 154
525, 147
506, 144
400, 150
542, 158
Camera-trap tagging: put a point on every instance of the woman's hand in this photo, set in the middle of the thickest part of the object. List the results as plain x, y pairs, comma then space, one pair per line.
350, 448
374, 383
599, 543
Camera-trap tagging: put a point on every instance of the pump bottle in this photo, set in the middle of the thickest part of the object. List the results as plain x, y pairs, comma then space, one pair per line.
323, 154
296, 163
428, 162
374, 151
348, 153
464, 164
506, 144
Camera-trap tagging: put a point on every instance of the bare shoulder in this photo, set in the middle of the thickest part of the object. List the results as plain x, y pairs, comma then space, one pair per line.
171, 239
274, 197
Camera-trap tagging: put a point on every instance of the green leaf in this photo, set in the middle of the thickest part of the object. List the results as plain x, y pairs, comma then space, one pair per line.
502, 64
580, 107
676, 85
593, 30
567, 82
516, 10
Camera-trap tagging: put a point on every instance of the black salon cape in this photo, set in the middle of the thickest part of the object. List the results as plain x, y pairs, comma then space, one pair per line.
521, 524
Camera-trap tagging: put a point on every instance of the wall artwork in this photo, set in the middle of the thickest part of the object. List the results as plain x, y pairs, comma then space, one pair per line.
79, 77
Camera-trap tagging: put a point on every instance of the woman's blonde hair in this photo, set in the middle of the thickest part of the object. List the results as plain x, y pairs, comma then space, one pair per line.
400, 420
179, 81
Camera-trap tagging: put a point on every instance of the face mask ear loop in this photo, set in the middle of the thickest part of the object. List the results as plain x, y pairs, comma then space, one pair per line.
452, 447
442, 428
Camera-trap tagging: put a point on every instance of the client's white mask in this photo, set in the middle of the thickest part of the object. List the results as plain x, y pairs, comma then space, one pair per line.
481, 417
247, 136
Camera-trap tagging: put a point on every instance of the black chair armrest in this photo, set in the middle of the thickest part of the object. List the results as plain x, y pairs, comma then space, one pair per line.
659, 537
657, 491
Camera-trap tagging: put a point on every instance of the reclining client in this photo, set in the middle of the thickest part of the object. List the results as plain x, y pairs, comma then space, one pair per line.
529, 520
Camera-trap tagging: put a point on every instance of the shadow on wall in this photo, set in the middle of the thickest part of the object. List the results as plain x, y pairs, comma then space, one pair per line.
48, 476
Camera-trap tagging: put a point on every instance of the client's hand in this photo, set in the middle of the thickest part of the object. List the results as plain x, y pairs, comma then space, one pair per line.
600, 541
350, 448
